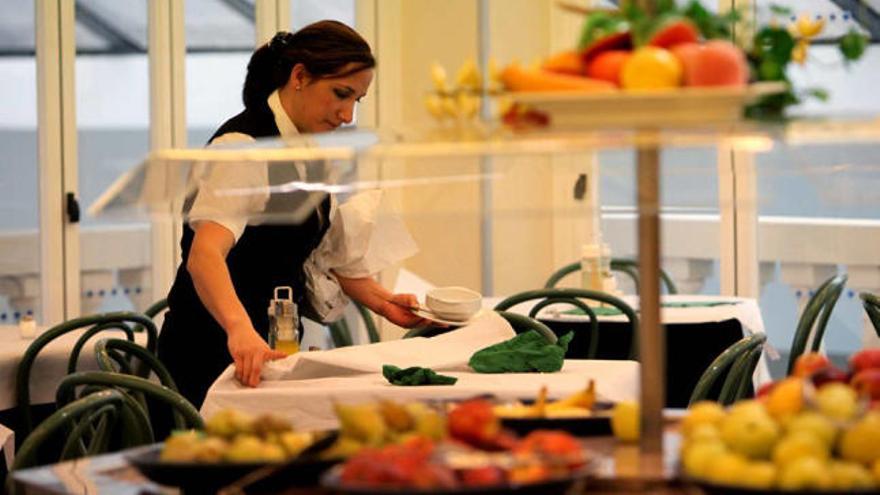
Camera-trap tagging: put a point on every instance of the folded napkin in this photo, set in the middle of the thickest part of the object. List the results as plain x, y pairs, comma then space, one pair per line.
446, 352
415, 375
525, 353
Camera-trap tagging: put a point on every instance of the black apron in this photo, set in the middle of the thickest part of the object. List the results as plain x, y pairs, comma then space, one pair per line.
192, 345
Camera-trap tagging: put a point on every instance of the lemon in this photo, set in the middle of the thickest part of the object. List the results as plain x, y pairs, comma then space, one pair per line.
702, 413
849, 476
861, 441
805, 473
703, 433
697, 458
813, 423
752, 434
798, 445
747, 407
760, 475
727, 469
625, 421
837, 401
651, 67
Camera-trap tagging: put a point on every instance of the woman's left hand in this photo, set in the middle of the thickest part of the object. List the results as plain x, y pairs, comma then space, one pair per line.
397, 310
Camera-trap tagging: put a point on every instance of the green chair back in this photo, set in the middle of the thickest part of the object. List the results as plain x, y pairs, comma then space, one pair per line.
115, 355
185, 414
739, 361
623, 265
871, 304
574, 297
88, 422
814, 318
156, 308
97, 323
341, 333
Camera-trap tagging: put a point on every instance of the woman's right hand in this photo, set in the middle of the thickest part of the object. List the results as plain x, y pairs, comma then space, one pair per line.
249, 351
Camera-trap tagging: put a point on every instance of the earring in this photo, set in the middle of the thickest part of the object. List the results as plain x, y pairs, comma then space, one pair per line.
298, 87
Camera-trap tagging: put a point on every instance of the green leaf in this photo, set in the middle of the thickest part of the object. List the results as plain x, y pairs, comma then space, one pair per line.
820, 94
852, 45
780, 10
773, 43
599, 25
711, 26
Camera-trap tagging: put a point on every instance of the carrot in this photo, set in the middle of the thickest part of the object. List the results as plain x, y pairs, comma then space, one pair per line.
515, 78
567, 62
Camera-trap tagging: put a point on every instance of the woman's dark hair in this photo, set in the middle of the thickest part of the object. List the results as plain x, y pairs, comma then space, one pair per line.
324, 48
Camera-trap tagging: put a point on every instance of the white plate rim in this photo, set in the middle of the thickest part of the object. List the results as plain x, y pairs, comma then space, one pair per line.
428, 315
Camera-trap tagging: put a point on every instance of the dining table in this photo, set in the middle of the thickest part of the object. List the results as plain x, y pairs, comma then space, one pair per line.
304, 387
698, 328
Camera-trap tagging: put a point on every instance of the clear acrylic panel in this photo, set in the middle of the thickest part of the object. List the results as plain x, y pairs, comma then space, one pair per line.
818, 200
19, 195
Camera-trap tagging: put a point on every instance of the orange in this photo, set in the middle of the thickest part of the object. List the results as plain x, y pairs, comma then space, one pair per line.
650, 67
608, 65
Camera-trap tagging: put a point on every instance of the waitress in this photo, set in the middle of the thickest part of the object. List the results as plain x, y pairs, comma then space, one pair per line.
303, 82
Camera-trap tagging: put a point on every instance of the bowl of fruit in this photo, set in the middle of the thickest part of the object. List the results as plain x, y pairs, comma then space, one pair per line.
816, 431
477, 456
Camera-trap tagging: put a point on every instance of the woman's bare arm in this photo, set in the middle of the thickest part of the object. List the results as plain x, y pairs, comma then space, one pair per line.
213, 284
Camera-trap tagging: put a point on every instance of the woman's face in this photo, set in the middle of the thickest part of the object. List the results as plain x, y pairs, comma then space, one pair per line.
322, 105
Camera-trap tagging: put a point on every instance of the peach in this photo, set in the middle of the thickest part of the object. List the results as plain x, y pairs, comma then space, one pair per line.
715, 63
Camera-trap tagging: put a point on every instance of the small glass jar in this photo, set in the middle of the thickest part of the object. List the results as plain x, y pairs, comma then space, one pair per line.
283, 322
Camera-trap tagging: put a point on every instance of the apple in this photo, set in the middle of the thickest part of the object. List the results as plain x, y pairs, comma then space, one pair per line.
828, 375
482, 476
864, 359
809, 363
867, 383
765, 389
474, 422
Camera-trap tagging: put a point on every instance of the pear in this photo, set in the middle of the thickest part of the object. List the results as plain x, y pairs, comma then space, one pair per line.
362, 422
396, 416
342, 448
229, 423
428, 422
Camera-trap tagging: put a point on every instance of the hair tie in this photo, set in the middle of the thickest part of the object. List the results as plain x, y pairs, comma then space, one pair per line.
281, 42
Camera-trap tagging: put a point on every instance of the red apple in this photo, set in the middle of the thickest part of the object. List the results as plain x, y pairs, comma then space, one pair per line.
864, 359
765, 389
474, 422
482, 476
809, 363
867, 383
829, 374
715, 63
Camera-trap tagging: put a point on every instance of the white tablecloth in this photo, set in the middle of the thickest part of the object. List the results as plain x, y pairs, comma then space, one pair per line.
744, 310
304, 386
51, 363
308, 404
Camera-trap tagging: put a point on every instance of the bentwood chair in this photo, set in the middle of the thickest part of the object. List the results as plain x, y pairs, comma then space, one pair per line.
119, 321
738, 362
87, 426
341, 333
576, 297
871, 304
185, 415
623, 265
814, 318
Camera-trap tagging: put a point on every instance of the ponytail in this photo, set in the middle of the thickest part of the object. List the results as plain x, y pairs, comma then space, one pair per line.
325, 48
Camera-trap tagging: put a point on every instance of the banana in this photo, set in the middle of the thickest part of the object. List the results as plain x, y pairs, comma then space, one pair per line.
583, 399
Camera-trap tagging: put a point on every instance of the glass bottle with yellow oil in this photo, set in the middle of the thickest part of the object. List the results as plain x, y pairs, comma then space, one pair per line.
283, 322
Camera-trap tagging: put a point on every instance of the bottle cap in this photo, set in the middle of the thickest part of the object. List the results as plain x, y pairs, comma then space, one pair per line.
590, 251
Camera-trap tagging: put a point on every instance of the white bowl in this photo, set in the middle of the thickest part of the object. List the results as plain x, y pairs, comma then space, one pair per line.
454, 303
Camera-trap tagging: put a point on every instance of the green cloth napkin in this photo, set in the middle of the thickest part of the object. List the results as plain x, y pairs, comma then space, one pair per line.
526, 353
612, 311
415, 375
